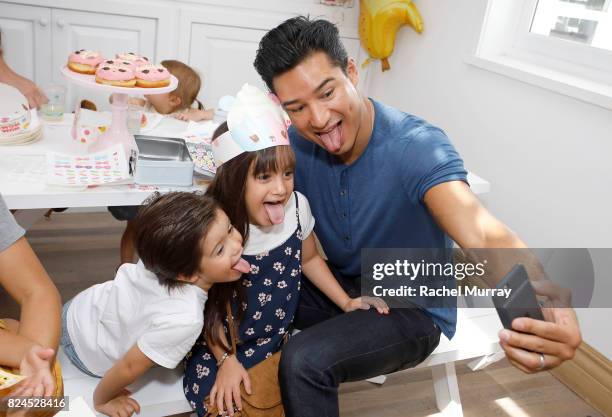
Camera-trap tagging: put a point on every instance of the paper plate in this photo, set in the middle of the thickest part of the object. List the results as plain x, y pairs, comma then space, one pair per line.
24, 138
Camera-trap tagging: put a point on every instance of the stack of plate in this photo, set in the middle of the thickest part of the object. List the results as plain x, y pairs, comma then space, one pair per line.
18, 125
31, 134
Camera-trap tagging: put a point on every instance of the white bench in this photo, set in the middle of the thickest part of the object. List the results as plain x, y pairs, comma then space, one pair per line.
476, 338
160, 392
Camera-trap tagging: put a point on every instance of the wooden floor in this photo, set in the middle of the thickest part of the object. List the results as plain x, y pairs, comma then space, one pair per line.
81, 249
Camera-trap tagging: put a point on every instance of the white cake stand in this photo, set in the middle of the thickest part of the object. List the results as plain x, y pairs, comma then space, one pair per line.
118, 132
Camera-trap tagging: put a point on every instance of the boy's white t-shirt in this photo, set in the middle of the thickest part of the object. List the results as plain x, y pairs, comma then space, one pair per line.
262, 239
106, 320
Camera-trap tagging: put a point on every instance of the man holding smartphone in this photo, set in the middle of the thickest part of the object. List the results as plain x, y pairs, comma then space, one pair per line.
376, 177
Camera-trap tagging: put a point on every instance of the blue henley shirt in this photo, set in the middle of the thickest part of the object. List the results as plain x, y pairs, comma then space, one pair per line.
377, 201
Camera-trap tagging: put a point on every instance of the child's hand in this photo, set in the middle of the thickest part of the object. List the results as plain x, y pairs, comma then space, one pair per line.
227, 385
36, 366
120, 406
195, 115
365, 302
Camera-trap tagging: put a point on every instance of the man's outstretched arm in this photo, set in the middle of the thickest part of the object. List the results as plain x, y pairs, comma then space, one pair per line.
459, 213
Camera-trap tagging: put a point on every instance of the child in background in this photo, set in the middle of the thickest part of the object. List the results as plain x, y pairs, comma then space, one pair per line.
254, 185
152, 312
181, 103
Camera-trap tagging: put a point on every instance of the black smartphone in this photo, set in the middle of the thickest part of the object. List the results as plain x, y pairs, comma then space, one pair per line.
521, 300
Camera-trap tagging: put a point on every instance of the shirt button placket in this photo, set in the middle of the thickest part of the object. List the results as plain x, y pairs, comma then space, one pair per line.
344, 207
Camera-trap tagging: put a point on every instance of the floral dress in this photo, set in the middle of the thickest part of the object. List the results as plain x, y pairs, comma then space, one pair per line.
272, 289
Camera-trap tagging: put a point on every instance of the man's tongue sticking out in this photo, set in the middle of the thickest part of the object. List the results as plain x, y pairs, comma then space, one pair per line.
332, 140
276, 212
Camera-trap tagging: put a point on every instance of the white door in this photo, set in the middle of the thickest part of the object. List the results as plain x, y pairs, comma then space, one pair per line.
224, 57
26, 40
107, 33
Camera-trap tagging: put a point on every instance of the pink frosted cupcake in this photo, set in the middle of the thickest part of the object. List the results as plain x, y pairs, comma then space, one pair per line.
84, 61
133, 59
120, 63
152, 76
117, 75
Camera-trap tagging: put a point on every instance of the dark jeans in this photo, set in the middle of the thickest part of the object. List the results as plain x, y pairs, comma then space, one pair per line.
333, 348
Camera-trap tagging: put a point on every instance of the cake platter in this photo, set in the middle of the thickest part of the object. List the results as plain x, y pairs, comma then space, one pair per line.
117, 132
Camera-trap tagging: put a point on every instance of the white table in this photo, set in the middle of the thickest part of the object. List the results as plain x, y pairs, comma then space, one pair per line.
22, 175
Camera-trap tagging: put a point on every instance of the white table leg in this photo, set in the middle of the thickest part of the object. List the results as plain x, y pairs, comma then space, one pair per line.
484, 361
379, 380
447, 390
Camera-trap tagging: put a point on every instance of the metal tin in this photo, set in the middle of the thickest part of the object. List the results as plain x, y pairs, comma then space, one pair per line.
163, 161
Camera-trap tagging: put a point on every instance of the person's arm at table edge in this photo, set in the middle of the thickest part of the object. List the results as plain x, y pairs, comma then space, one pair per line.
25, 279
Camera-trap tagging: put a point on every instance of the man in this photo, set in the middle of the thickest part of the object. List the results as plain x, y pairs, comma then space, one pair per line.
380, 178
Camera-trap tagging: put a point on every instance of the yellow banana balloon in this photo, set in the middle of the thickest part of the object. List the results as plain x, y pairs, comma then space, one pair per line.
379, 21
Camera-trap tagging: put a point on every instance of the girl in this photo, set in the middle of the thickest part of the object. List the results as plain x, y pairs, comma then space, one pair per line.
254, 185
152, 312
181, 103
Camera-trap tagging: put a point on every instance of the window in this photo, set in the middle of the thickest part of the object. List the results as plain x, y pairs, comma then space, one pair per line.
562, 45
572, 36
584, 21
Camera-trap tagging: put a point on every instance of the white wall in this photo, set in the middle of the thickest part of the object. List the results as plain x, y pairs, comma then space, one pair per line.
547, 156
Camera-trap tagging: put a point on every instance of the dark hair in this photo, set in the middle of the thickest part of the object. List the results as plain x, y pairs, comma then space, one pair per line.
294, 40
228, 188
170, 231
229, 185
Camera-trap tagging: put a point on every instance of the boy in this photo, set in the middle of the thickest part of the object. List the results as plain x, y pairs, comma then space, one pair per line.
152, 312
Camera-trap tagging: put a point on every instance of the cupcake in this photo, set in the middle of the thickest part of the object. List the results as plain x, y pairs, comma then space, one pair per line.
117, 75
120, 63
134, 59
152, 76
84, 61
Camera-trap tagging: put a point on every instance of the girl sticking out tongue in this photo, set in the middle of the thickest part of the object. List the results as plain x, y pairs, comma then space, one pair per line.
254, 185
276, 212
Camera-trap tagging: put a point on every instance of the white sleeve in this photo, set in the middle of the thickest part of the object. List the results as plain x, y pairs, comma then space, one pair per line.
307, 220
166, 343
